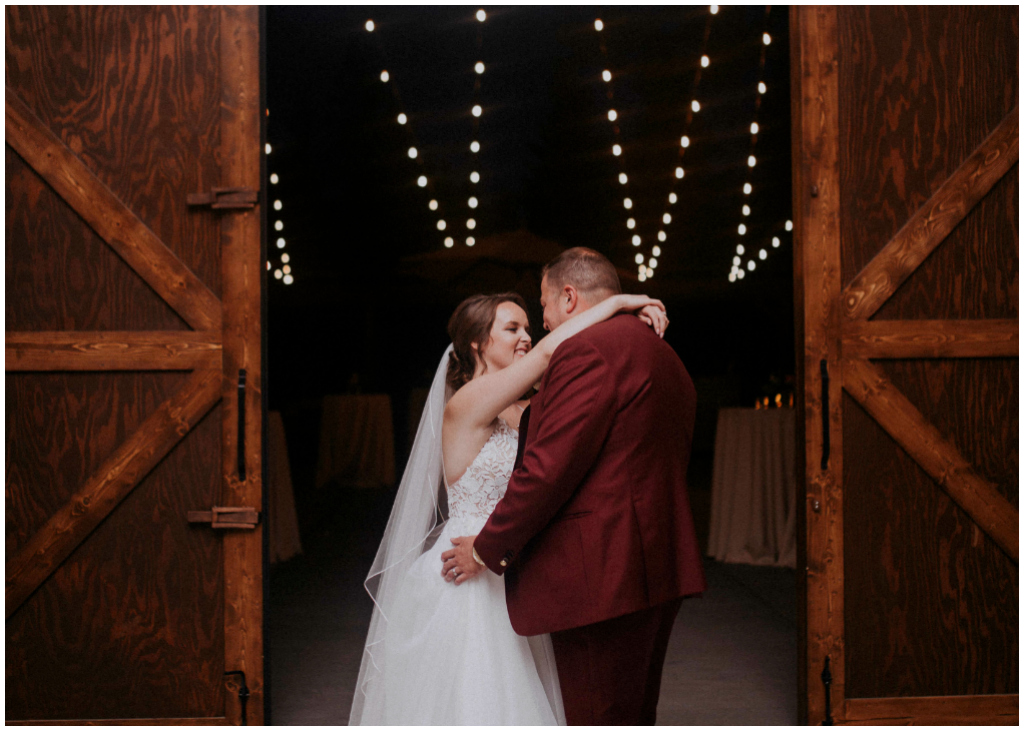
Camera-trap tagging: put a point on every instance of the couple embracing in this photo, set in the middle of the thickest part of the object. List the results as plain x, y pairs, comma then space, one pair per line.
548, 595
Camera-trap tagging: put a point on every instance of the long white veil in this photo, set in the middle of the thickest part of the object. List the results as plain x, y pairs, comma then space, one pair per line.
415, 519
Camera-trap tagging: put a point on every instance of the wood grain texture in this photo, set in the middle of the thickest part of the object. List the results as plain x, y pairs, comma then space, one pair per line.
930, 338
112, 351
934, 221
133, 241
244, 274
137, 609
978, 706
819, 251
922, 441
134, 92
41, 555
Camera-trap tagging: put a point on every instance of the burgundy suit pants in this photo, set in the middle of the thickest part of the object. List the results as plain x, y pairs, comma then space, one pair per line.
610, 671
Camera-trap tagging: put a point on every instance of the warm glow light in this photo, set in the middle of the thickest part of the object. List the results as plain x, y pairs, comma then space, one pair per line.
642, 276
762, 87
775, 242
370, 26
280, 243
636, 239
751, 161
285, 258
630, 223
474, 146
278, 205
627, 203
402, 119
481, 15
754, 128
477, 110
598, 25
639, 259
679, 173
623, 179
612, 115
471, 224
441, 225
789, 225
653, 263
762, 255
288, 279
739, 249
479, 68
732, 276
742, 228
433, 205
616, 150
449, 242
746, 210
661, 237
751, 265
650, 272
656, 251
267, 148
672, 198
747, 187
474, 177
286, 269
413, 153
766, 39
705, 61
606, 75
473, 202
278, 274
385, 76
695, 105
470, 241
274, 179
422, 181
714, 10
667, 219
736, 261
685, 141
278, 225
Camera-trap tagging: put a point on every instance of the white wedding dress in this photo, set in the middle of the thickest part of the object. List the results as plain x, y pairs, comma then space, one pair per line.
450, 655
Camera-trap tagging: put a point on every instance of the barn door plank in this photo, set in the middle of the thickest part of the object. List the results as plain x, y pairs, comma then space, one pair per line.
931, 339
113, 351
933, 221
978, 709
110, 484
115, 223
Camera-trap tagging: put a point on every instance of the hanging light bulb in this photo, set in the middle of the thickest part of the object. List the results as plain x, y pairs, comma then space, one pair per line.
766, 39
278, 205
775, 242
288, 279
623, 179
267, 148
740, 274
672, 198
370, 26
742, 228
642, 276
616, 150
598, 25
650, 272
736, 261
479, 68
754, 128
474, 177
279, 225
385, 76
761, 87
278, 274
732, 276
695, 105
740, 250
402, 119
667, 219
612, 115
747, 187
685, 141
653, 263
286, 269
471, 223
474, 146
481, 15
606, 75
477, 110
751, 265
470, 241
679, 173
705, 61
789, 225
441, 225
714, 10
285, 258
636, 240
751, 161
274, 179
662, 236
449, 242
627, 203
422, 181
280, 243
630, 223
433, 205
473, 202
656, 250
746, 210
413, 153
762, 255
639, 259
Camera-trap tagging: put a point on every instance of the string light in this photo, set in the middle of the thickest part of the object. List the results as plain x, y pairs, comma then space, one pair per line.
751, 161
776, 242
598, 25
623, 179
432, 205
280, 243
661, 237
413, 153
274, 179
402, 119
369, 26
789, 225
471, 224
714, 10
639, 258
472, 202
751, 265
285, 258
766, 39
441, 225
477, 110
606, 75
740, 250
616, 150
705, 62
449, 242
630, 223
267, 148
653, 263
479, 68
278, 205
684, 141
481, 15
666, 219
278, 225
627, 203
762, 255
656, 251
742, 229
286, 269
474, 146
754, 128
288, 279
422, 181
762, 88
636, 240
385, 76
747, 188
672, 198
679, 173
278, 273
612, 115
474, 177
470, 241
695, 105
746, 210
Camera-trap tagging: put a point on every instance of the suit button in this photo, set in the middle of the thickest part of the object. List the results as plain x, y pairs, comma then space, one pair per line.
504, 562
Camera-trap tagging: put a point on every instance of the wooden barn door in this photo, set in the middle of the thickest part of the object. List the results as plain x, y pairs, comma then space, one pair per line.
130, 316
906, 199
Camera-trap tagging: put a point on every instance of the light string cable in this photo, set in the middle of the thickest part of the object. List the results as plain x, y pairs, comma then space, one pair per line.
740, 268
647, 265
423, 178
283, 272
476, 111
613, 117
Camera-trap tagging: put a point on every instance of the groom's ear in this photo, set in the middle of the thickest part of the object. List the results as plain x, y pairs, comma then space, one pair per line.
571, 297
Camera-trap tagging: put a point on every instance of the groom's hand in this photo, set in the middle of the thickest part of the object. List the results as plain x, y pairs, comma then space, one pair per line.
459, 564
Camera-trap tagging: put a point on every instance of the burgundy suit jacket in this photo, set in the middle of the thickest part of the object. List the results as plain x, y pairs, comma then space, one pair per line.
596, 521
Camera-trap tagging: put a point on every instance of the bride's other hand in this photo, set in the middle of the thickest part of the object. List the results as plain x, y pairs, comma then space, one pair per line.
656, 318
459, 564
651, 311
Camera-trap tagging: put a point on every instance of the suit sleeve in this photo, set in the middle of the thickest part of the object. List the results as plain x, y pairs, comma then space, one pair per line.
565, 440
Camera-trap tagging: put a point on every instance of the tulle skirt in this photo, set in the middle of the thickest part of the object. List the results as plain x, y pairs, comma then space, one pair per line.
452, 658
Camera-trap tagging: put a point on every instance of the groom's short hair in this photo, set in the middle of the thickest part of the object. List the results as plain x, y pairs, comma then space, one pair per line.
589, 271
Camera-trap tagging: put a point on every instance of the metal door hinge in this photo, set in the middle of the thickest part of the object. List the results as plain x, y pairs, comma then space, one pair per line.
219, 198
238, 517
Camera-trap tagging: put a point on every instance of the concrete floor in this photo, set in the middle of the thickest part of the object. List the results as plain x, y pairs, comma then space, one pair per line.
731, 659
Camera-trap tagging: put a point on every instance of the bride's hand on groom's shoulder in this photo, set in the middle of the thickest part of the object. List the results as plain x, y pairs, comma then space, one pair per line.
650, 311
459, 563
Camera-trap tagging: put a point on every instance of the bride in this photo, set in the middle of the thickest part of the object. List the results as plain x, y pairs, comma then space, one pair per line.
437, 653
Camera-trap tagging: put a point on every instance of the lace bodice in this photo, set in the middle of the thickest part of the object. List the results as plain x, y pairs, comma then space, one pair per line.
473, 496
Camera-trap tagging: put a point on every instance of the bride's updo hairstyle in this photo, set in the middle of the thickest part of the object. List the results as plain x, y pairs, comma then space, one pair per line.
471, 323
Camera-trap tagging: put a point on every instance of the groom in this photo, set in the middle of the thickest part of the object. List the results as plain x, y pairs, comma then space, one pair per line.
594, 535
